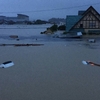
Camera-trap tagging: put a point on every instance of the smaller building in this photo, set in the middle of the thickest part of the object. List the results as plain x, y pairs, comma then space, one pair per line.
86, 21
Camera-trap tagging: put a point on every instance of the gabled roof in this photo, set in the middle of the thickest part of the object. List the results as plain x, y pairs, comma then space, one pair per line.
71, 21
91, 10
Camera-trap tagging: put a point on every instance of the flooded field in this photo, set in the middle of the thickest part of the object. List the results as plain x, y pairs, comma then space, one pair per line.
53, 71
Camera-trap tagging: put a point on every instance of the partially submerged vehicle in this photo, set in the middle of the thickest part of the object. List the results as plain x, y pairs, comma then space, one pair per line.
6, 64
72, 35
90, 63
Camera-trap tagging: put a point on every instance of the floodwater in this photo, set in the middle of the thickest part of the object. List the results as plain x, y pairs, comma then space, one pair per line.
50, 72
26, 33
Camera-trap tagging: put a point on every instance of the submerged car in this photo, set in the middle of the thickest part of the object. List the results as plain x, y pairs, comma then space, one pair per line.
6, 64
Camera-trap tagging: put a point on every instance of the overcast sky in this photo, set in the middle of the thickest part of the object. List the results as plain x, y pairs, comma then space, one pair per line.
45, 9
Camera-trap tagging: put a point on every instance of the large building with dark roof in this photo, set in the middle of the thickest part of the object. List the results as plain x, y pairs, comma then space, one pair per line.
19, 18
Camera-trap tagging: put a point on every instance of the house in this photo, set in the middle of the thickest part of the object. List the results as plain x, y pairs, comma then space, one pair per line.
87, 22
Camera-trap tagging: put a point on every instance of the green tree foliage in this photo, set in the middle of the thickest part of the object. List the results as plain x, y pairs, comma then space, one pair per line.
62, 27
54, 28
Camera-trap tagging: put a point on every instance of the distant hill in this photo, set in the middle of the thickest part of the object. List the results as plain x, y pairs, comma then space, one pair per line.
57, 20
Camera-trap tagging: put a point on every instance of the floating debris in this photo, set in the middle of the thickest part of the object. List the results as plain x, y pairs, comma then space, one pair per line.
91, 40
21, 44
90, 63
13, 36
28, 44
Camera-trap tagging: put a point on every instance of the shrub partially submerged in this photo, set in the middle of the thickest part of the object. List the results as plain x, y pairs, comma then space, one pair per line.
54, 28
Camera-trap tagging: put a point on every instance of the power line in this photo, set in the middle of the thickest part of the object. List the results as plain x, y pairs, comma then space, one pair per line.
55, 9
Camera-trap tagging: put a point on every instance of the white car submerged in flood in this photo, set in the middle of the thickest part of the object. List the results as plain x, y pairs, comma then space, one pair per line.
6, 64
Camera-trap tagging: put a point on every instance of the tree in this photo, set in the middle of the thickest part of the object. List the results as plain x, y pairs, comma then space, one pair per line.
54, 28
62, 27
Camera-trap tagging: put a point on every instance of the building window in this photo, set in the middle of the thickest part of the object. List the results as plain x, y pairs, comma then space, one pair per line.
92, 25
81, 25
